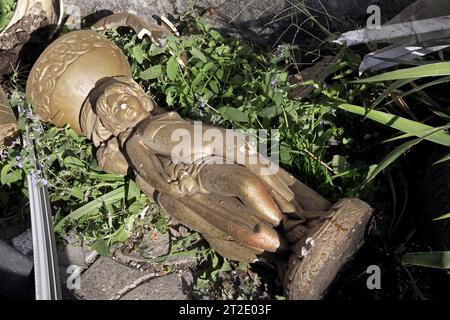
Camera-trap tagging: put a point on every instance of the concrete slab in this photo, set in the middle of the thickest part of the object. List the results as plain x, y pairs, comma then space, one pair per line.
106, 278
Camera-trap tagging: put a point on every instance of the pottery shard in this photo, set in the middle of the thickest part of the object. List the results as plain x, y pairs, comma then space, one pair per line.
14, 39
9, 129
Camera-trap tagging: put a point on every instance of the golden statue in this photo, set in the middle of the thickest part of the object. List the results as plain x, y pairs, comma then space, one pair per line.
245, 213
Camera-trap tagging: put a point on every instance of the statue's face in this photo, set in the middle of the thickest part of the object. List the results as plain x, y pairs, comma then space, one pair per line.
122, 106
127, 109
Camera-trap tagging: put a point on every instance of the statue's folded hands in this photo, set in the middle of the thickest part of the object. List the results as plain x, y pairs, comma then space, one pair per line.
243, 204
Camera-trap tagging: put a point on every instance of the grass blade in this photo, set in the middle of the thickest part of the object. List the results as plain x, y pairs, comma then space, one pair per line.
444, 159
394, 86
426, 85
108, 198
404, 125
446, 216
429, 70
438, 259
390, 158
397, 152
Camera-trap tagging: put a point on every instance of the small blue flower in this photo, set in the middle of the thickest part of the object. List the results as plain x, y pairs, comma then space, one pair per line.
18, 158
274, 83
20, 165
44, 182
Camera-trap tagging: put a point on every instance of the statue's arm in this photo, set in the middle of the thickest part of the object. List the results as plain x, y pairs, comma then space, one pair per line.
148, 166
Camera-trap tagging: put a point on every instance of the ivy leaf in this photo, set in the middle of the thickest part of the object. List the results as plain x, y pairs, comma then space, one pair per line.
151, 73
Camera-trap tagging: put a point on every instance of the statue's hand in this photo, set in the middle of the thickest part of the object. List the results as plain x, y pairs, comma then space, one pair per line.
188, 184
185, 185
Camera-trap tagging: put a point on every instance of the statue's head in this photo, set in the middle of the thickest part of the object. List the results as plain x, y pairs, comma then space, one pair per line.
114, 106
122, 105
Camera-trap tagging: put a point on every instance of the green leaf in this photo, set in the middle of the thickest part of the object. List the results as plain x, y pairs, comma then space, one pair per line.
339, 164
444, 159
8, 177
397, 152
444, 217
101, 247
214, 86
407, 126
155, 50
278, 98
151, 73
111, 197
77, 193
172, 68
133, 191
199, 55
429, 70
394, 86
390, 158
269, 112
138, 54
233, 114
73, 162
121, 235
437, 260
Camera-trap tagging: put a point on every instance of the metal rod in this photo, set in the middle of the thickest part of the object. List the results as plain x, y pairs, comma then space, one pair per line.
46, 266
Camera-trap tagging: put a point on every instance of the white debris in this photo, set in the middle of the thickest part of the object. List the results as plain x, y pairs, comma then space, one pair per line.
144, 212
309, 244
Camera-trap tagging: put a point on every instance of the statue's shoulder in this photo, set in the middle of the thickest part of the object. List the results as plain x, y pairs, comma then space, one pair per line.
169, 116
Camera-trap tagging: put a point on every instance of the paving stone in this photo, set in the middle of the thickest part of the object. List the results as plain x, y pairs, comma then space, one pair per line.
24, 243
155, 244
105, 278
173, 286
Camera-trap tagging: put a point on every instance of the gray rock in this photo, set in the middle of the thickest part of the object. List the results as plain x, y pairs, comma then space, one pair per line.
24, 243
257, 20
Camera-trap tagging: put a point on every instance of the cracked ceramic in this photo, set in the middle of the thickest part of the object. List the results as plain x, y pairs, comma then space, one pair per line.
9, 129
33, 20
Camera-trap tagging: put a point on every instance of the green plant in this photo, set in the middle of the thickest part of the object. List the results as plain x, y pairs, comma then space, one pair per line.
7, 8
207, 76
412, 130
100, 208
409, 128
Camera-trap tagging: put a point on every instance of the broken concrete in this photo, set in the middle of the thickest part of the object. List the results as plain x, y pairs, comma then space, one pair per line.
24, 243
106, 279
173, 286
